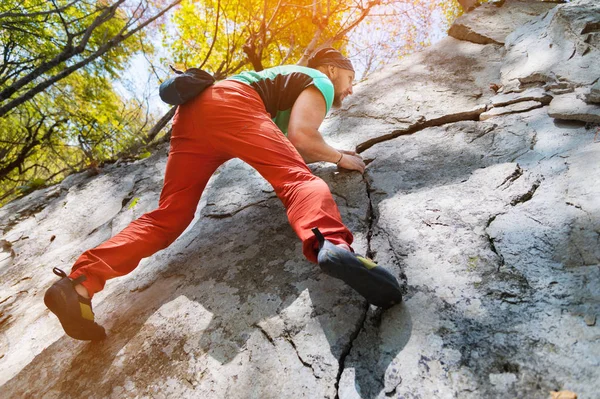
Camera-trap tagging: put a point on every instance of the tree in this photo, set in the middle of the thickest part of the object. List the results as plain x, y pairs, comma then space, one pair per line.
77, 123
58, 109
80, 32
225, 37
393, 31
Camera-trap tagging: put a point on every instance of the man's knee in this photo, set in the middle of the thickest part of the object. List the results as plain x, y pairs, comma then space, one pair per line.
300, 180
165, 225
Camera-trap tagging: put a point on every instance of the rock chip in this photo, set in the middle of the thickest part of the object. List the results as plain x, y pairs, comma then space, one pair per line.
594, 94
562, 44
492, 22
571, 107
563, 395
533, 94
590, 319
510, 109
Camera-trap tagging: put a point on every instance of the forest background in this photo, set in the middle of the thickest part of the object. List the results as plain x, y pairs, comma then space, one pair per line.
79, 78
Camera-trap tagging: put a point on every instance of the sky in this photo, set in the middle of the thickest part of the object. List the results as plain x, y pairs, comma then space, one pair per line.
139, 80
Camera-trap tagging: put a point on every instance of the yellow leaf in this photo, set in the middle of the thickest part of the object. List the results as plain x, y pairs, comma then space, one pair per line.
133, 203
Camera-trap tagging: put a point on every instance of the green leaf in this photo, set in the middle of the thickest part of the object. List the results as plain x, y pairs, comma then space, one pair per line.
133, 203
472, 264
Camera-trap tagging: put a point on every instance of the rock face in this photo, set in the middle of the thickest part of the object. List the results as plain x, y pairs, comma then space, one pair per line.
571, 106
492, 22
491, 221
594, 94
560, 46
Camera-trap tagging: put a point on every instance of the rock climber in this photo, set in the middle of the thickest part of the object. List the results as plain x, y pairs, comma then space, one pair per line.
270, 120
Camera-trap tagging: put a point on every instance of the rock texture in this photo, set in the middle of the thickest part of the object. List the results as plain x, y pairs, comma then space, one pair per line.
492, 22
593, 96
521, 106
571, 106
562, 45
492, 225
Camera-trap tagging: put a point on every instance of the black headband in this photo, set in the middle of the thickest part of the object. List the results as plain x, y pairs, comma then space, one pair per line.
330, 56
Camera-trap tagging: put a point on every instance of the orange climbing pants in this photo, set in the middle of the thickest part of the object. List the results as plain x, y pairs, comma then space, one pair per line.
228, 120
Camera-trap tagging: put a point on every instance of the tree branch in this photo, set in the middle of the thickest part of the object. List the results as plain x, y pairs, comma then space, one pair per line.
116, 40
29, 147
36, 14
212, 45
68, 52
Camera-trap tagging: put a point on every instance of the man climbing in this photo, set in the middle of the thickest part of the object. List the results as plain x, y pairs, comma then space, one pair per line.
246, 116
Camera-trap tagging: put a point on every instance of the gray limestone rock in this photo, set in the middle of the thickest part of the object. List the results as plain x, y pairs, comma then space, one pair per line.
560, 45
231, 301
533, 94
594, 94
492, 22
590, 319
571, 107
478, 234
510, 109
492, 226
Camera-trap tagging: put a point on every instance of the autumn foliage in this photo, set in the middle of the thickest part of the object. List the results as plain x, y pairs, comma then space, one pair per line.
62, 62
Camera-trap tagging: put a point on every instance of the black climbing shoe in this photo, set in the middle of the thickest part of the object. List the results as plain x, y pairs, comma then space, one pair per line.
73, 311
378, 286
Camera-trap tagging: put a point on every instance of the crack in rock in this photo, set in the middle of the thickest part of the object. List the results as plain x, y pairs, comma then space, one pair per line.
533, 141
491, 241
527, 196
304, 363
21, 280
267, 336
346, 202
361, 323
535, 94
21, 215
370, 219
4, 319
107, 225
348, 349
514, 176
577, 206
484, 132
472, 115
126, 200
232, 213
366, 115
291, 342
514, 108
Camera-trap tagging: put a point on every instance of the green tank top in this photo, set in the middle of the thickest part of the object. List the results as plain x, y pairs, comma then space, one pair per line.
279, 87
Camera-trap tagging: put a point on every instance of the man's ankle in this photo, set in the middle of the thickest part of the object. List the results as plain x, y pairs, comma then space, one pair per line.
81, 290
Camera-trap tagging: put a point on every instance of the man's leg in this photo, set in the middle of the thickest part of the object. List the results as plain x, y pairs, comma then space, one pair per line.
313, 213
307, 198
185, 179
252, 136
191, 163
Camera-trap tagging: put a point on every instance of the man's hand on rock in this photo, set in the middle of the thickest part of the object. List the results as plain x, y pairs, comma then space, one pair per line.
351, 161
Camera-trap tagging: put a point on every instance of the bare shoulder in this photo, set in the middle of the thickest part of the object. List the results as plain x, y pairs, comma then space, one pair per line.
309, 108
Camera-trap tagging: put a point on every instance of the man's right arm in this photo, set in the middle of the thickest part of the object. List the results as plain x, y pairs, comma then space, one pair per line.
307, 115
